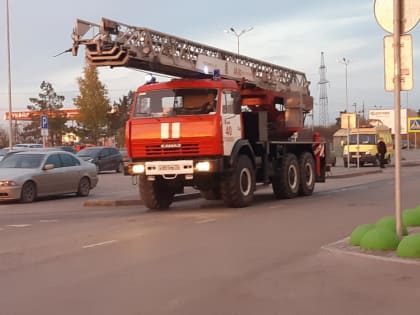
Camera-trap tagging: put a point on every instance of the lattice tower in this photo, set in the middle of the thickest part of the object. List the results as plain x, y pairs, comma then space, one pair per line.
323, 95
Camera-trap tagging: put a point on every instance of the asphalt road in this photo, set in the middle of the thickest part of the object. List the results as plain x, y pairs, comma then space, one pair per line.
59, 257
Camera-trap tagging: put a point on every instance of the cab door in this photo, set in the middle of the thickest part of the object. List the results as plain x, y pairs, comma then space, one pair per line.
231, 121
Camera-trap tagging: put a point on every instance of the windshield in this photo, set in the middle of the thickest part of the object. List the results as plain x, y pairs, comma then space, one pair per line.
363, 139
176, 102
22, 161
92, 152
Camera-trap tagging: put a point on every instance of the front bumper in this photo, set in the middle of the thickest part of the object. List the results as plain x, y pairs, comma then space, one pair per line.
10, 192
363, 158
172, 168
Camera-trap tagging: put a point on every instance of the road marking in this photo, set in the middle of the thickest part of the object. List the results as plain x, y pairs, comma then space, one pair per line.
19, 225
48, 221
99, 244
205, 221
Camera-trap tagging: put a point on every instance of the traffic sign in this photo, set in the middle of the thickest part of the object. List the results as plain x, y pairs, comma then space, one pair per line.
44, 132
410, 14
413, 124
406, 52
44, 122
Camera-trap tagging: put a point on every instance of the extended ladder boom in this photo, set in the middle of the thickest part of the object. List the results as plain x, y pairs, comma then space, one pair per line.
116, 44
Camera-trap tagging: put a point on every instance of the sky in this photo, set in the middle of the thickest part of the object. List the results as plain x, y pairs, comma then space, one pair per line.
288, 33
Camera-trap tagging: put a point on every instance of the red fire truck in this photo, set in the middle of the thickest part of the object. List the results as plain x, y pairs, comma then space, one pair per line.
224, 124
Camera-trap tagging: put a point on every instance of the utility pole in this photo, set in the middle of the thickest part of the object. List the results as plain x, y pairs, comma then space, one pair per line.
238, 35
323, 97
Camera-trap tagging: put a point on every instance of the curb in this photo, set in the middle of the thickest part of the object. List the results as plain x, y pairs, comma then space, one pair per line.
132, 202
367, 172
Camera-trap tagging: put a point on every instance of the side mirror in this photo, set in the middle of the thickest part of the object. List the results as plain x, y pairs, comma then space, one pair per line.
48, 167
236, 102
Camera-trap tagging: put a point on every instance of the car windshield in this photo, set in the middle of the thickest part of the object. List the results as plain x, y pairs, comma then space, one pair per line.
92, 152
363, 139
22, 161
174, 102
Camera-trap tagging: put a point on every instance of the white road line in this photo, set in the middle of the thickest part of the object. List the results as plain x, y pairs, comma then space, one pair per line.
99, 244
205, 221
19, 225
48, 221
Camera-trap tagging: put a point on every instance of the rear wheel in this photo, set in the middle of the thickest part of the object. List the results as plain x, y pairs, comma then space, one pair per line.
286, 184
237, 189
120, 167
155, 195
28, 193
307, 174
83, 189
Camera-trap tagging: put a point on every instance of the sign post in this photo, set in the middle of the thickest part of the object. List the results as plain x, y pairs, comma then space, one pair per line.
398, 17
44, 129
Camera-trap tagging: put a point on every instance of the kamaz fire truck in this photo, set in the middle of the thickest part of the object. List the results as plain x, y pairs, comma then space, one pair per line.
225, 123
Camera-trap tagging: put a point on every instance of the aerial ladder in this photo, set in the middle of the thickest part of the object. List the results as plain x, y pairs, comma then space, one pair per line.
116, 44
245, 139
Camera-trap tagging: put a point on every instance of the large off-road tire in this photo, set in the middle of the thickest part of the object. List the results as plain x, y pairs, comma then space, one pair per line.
286, 184
28, 192
238, 188
154, 194
307, 174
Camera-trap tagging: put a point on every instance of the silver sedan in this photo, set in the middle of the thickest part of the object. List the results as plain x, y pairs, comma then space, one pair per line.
27, 175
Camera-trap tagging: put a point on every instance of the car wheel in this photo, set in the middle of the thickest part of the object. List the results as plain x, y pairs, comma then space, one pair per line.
84, 187
120, 167
28, 193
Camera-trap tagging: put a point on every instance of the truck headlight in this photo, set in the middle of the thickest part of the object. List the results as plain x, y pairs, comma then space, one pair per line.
138, 168
203, 166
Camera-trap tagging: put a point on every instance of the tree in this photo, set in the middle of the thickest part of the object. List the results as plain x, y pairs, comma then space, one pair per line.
49, 103
93, 105
117, 117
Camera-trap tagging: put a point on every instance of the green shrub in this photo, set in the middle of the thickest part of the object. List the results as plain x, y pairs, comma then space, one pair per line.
389, 223
379, 238
411, 217
359, 232
409, 246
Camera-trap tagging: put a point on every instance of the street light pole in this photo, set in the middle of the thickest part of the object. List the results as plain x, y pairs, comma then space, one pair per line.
9, 78
238, 35
345, 62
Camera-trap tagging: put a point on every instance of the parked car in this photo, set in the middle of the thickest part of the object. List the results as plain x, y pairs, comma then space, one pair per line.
27, 175
5, 152
65, 148
27, 145
105, 158
126, 160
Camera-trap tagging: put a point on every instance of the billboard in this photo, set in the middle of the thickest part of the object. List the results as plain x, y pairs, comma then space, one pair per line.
387, 116
348, 120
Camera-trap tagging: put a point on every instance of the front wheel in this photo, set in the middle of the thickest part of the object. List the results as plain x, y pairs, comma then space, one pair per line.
238, 188
155, 195
28, 193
